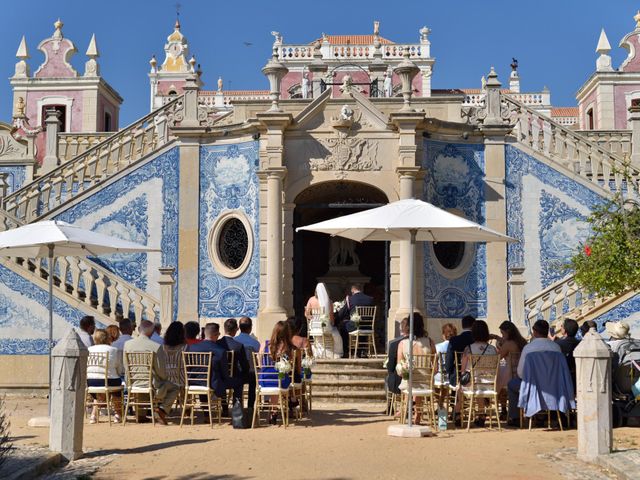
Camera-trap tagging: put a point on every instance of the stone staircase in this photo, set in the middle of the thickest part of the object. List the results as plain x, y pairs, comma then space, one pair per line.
349, 380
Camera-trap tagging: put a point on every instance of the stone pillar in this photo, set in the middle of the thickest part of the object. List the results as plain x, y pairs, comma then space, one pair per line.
189, 227
52, 122
516, 297
634, 125
274, 241
67, 396
190, 103
167, 285
593, 375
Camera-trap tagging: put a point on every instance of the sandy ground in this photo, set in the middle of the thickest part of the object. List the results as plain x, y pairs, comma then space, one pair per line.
341, 442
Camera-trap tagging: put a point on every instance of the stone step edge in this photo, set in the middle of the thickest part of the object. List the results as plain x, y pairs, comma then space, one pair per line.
324, 383
362, 371
350, 394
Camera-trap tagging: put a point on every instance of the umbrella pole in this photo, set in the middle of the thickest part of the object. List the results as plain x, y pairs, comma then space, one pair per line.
51, 266
411, 272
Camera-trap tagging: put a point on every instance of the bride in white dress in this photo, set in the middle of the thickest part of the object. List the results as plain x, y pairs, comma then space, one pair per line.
321, 302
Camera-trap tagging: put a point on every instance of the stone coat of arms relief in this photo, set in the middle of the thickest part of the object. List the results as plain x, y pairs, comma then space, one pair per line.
345, 152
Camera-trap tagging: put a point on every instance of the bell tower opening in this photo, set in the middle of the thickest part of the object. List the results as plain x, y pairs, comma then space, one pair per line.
336, 261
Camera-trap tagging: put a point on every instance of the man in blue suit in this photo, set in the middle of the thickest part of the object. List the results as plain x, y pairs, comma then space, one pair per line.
219, 365
458, 344
240, 362
343, 317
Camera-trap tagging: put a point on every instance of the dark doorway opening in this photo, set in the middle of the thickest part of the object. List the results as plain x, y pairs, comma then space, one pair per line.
312, 251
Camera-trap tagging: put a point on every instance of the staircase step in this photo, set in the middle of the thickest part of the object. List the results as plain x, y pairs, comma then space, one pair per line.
338, 375
348, 385
350, 363
349, 396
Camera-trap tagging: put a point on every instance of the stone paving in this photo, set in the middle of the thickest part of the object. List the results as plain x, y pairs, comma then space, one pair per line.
620, 465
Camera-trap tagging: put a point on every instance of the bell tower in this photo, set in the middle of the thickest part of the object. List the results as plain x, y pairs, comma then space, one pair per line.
167, 80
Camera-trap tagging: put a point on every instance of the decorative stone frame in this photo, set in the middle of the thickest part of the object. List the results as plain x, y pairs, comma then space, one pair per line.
48, 101
468, 257
214, 236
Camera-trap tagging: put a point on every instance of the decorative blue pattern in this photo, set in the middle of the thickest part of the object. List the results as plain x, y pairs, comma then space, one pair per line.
141, 207
24, 313
546, 212
228, 181
628, 311
455, 180
16, 177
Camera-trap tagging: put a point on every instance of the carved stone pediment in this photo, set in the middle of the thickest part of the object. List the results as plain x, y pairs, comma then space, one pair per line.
345, 152
12, 150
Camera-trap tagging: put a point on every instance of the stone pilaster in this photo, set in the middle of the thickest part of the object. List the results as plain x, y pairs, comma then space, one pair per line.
634, 125
189, 226
272, 172
52, 122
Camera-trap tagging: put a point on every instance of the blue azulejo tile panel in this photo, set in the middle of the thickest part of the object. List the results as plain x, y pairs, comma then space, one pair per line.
546, 212
16, 177
228, 182
141, 207
628, 312
24, 316
455, 182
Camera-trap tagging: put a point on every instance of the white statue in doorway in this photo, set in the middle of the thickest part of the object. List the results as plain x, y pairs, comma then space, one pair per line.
305, 85
387, 85
342, 252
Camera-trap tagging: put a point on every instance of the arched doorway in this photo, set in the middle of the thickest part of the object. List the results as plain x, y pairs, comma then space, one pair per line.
338, 262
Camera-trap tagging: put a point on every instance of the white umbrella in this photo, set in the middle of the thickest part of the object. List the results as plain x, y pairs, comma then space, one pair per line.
412, 220
51, 238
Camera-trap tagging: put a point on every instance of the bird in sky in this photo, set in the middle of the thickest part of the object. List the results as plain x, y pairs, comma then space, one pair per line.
247, 44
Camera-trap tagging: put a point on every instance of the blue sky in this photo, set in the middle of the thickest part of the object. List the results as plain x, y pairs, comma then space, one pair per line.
554, 41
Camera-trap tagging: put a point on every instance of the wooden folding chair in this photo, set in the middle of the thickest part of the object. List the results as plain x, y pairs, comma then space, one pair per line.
139, 380
197, 383
268, 385
101, 360
366, 329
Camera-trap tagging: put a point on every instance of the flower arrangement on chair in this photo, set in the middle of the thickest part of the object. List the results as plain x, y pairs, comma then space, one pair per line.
337, 306
402, 368
356, 318
307, 364
283, 367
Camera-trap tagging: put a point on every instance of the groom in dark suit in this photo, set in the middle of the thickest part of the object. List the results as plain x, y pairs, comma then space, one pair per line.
458, 344
343, 317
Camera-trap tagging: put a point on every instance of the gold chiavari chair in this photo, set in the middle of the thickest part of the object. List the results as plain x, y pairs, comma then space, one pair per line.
365, 330
197, 383
424, 366
483, 386
101, 361
307, 385
139, 380
322, 340
230, 362
175, 370
268, 386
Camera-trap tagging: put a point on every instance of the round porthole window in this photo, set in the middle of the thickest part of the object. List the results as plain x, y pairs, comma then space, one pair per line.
449, 254
231, 244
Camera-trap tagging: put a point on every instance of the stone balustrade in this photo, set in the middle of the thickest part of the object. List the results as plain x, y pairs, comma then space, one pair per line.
222, 100
616, 141
347, 51
572, 150
80, 278
92, 167
541, 99
556, 301
70, 145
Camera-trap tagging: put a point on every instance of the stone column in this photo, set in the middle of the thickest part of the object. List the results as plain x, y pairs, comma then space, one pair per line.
190, 103
593, 375
634, 125
167, 285
52, 122
67, 396
516, 297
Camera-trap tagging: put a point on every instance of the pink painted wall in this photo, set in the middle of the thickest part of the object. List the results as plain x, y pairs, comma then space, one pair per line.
620, 103
583, 105
634, 63
164, 86
56, 52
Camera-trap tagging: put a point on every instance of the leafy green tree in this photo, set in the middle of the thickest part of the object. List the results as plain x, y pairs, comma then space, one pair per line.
608, 263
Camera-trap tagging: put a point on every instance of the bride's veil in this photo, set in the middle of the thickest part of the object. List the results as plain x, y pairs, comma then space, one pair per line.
323, 297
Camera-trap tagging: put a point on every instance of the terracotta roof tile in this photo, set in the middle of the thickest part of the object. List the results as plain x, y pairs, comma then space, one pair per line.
564, 112
354, 40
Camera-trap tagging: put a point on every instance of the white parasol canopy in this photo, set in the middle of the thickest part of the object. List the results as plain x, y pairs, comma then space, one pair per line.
412, 220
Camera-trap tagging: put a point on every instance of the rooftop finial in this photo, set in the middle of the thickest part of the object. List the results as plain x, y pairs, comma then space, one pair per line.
92, 50
177, 25
57, 34
636, 17
23, 51
376, 28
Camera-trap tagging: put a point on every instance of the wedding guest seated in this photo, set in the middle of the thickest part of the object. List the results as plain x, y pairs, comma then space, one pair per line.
86, 329
457, 344
566, 339
251, 345
449, 330
280, 345
165, 391
173, 346
219, 378
343, 317
510, 342
300, 342
586, 326
539, 343
393, 379
157, 333
480, 346
113, 332
422, 345
191, 332
95, 374
241, 365
126, 329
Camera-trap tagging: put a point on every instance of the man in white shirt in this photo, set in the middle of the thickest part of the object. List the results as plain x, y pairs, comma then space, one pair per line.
126, 329
539, 343
86, 329
157, 328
